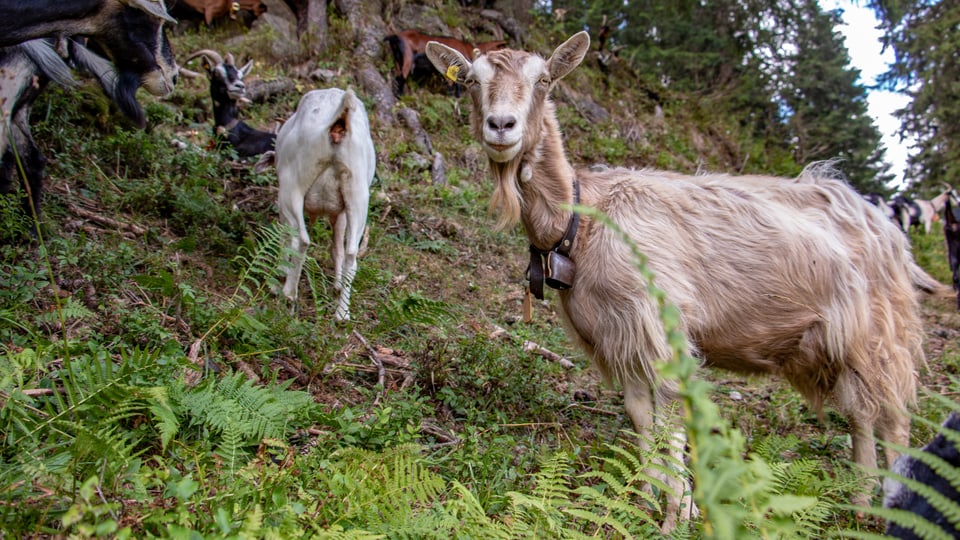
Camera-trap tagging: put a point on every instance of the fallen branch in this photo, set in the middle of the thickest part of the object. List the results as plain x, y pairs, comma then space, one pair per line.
530, 346
381, 372
103, 220
191, 377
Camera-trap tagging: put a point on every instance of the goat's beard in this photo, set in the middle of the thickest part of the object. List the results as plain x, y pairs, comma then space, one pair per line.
506, 200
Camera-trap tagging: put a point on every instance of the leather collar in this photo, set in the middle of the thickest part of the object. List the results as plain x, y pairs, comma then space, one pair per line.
535, 271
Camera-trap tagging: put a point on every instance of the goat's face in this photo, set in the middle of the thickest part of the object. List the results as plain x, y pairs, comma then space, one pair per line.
139, 47
509, 89
226, 79
255, 6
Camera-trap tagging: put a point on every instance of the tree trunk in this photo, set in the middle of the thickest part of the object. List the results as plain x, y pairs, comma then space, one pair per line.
366, 20
311, 23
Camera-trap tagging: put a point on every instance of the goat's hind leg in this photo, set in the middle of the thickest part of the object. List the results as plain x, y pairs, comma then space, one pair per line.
347, 236
291, 213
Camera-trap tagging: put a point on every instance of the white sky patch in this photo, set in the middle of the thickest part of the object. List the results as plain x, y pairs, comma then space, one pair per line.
862, 39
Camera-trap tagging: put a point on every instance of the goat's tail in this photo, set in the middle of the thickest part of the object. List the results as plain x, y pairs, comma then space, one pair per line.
396, 47
925, 283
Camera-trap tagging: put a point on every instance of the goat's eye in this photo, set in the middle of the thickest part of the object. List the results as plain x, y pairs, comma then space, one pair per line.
470, 81
544, 80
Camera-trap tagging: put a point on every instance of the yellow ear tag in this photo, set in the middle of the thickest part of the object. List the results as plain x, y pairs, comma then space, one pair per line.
452, 72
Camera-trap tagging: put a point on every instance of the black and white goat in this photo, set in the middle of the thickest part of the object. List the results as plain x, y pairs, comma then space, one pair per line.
130, 33
28, 68
325, 163
919, 212
943, 451
227, 90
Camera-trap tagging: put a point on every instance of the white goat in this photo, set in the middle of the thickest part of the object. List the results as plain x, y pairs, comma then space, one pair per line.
325, 165
799, 278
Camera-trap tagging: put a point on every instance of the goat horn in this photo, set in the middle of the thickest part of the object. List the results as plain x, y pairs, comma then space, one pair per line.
205, 52
229, 61
189, 74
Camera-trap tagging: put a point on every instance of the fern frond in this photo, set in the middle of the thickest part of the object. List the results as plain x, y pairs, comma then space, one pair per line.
414, 309
236, 403
70, 310
392, 492
906, 519
473, 521
260, 263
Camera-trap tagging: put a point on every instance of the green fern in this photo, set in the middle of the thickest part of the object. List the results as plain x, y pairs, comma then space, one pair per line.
260, 262
410, 309
392, 493
620, 500
472, 519
240, 412
80, 429
70, 310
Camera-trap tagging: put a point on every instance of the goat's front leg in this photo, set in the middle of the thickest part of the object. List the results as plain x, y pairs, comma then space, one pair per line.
642, 410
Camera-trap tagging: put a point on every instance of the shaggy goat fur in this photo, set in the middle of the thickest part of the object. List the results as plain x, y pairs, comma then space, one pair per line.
798, 278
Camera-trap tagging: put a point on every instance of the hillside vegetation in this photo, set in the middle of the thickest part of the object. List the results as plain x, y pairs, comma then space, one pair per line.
154, 385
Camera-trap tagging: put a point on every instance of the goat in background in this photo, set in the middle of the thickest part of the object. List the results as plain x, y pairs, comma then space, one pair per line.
325, 163
951, 231
227, 89
408, 48
845, 330
919, 212
28, 66
215, 9
880, 202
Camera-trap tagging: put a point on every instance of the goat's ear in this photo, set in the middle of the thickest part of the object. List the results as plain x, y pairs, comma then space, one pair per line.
246, 68
153, 7
568, 55
267, 159
449, 62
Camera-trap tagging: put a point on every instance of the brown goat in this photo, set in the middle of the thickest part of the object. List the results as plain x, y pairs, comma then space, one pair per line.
406, 45
214, 9
797, 278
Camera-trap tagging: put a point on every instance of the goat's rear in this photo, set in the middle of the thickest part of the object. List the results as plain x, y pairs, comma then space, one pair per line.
325, 164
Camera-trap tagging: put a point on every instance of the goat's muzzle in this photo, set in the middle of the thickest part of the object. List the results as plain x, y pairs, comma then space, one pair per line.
158, 83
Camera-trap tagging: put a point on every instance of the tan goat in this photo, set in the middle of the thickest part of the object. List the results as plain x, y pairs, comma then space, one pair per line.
797, 278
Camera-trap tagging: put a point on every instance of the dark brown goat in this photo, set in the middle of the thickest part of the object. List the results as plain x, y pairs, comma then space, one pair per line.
951, 230
215, 9
408, 45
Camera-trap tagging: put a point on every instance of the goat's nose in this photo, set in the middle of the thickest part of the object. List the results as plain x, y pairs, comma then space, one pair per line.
501, 122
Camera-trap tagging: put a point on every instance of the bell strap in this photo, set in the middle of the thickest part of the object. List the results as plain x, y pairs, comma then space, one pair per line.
535, 273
